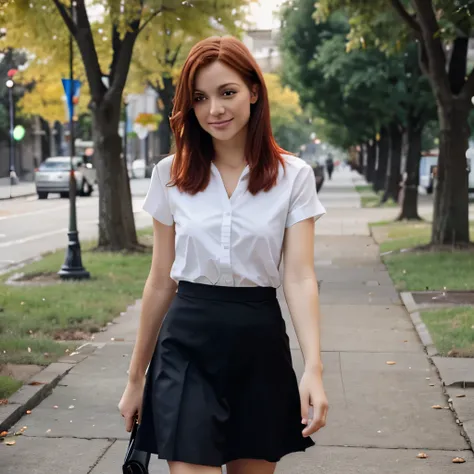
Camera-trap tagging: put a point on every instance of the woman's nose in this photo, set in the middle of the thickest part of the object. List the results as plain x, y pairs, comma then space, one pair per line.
216, 107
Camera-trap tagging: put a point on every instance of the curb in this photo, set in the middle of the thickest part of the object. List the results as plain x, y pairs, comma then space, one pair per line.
17, 197
466, 426
40, 386
420, 326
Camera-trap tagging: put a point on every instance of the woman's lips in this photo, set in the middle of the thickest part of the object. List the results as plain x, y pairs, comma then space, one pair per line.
220, 125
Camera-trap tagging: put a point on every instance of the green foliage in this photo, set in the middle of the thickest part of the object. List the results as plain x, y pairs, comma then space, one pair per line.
352, 91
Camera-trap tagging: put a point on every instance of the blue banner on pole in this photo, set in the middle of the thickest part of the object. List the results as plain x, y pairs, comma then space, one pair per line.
76, 86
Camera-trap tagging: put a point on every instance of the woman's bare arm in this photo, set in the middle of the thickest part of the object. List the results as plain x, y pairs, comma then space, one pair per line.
157, 296
301, 290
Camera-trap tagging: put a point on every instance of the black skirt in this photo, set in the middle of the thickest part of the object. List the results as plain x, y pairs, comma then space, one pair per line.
220, 385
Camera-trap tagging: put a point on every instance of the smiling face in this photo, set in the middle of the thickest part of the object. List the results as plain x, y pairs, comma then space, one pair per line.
222, 102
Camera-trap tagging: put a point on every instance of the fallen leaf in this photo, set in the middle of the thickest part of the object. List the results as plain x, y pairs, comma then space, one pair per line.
437, 407
48, 431
28, 412
3, 434
12, 443
422, 456
390, 362
71, 407
37, 383
29, 349
55, 406
461, 395
428, 378
3, 401
119, 339
432, 384
459, 460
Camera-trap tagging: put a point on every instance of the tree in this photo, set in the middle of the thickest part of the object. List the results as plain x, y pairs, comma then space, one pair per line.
106, 76
442, 29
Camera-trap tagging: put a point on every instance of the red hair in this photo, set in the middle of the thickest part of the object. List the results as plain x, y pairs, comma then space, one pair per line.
190, 170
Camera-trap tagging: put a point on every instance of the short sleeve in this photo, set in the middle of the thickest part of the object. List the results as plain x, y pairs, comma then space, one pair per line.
156, 202
304, 201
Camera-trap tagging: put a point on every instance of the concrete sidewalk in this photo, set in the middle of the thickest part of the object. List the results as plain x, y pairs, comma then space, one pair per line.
22, 189
380, 415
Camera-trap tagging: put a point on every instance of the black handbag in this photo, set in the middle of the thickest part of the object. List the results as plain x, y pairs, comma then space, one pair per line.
136, 462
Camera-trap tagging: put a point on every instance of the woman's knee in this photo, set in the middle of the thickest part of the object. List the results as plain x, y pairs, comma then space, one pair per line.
251, 466
185, 468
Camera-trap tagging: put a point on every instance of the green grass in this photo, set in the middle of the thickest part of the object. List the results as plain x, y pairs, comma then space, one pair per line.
420, 271
8, 386
368, 198
367, 188
452, 330
373, 200
34, 318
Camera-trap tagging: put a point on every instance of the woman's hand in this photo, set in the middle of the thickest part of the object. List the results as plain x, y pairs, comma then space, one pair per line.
130, 405
312, 395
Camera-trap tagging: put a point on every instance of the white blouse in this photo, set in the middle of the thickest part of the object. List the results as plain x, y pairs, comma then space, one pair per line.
234, 241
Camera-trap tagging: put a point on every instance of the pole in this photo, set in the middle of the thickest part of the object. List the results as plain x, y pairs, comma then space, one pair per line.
72, 267
13, 176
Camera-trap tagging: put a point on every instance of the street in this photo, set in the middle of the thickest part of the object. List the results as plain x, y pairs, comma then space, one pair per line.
30, 227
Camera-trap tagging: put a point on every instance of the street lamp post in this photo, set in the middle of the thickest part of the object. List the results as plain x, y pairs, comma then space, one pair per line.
13, 177
72, 268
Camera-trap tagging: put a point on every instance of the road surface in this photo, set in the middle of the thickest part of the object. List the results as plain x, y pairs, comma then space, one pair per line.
30, 227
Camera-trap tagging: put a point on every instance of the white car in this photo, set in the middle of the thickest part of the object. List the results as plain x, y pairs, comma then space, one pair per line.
52, 176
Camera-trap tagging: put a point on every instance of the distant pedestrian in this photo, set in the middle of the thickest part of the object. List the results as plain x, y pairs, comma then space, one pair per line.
329, 165
220, 387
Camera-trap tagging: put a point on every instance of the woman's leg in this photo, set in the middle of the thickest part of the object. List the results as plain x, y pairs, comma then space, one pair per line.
185, 468
250, 466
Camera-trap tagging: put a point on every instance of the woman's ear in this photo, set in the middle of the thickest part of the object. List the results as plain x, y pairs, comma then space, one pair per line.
254, 94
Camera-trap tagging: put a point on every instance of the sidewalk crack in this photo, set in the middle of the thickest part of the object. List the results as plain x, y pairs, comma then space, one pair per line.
101, 457
342, 379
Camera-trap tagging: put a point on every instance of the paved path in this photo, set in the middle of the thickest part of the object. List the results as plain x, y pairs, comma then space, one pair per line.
380, 415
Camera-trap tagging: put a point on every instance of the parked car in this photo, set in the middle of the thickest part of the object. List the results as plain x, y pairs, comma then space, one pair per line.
52, 176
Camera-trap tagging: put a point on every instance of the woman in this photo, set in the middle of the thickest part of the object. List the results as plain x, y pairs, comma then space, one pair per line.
220, 387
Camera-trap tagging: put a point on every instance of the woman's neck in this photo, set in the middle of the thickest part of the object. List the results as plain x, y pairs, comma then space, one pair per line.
231, 153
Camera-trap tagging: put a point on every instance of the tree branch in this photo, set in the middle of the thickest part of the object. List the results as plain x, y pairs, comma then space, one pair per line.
458, 64
85, 42
121, 61
66, 17
409, 19
150, 18
434, 48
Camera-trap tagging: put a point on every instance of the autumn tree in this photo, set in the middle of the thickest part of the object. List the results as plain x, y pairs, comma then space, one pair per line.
113, 25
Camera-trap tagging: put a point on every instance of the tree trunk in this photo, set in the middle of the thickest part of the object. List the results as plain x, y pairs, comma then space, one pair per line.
451, 207
371, 160
412, 169
382, 160
166, 94
116, 221
392, 182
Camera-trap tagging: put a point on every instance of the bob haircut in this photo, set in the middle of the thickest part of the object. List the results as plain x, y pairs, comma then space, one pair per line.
194, 150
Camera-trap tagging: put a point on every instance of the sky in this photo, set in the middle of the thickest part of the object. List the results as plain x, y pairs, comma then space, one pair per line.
261, 13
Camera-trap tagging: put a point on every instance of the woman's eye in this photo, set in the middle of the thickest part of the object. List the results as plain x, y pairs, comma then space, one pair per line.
229, 93
198, 98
